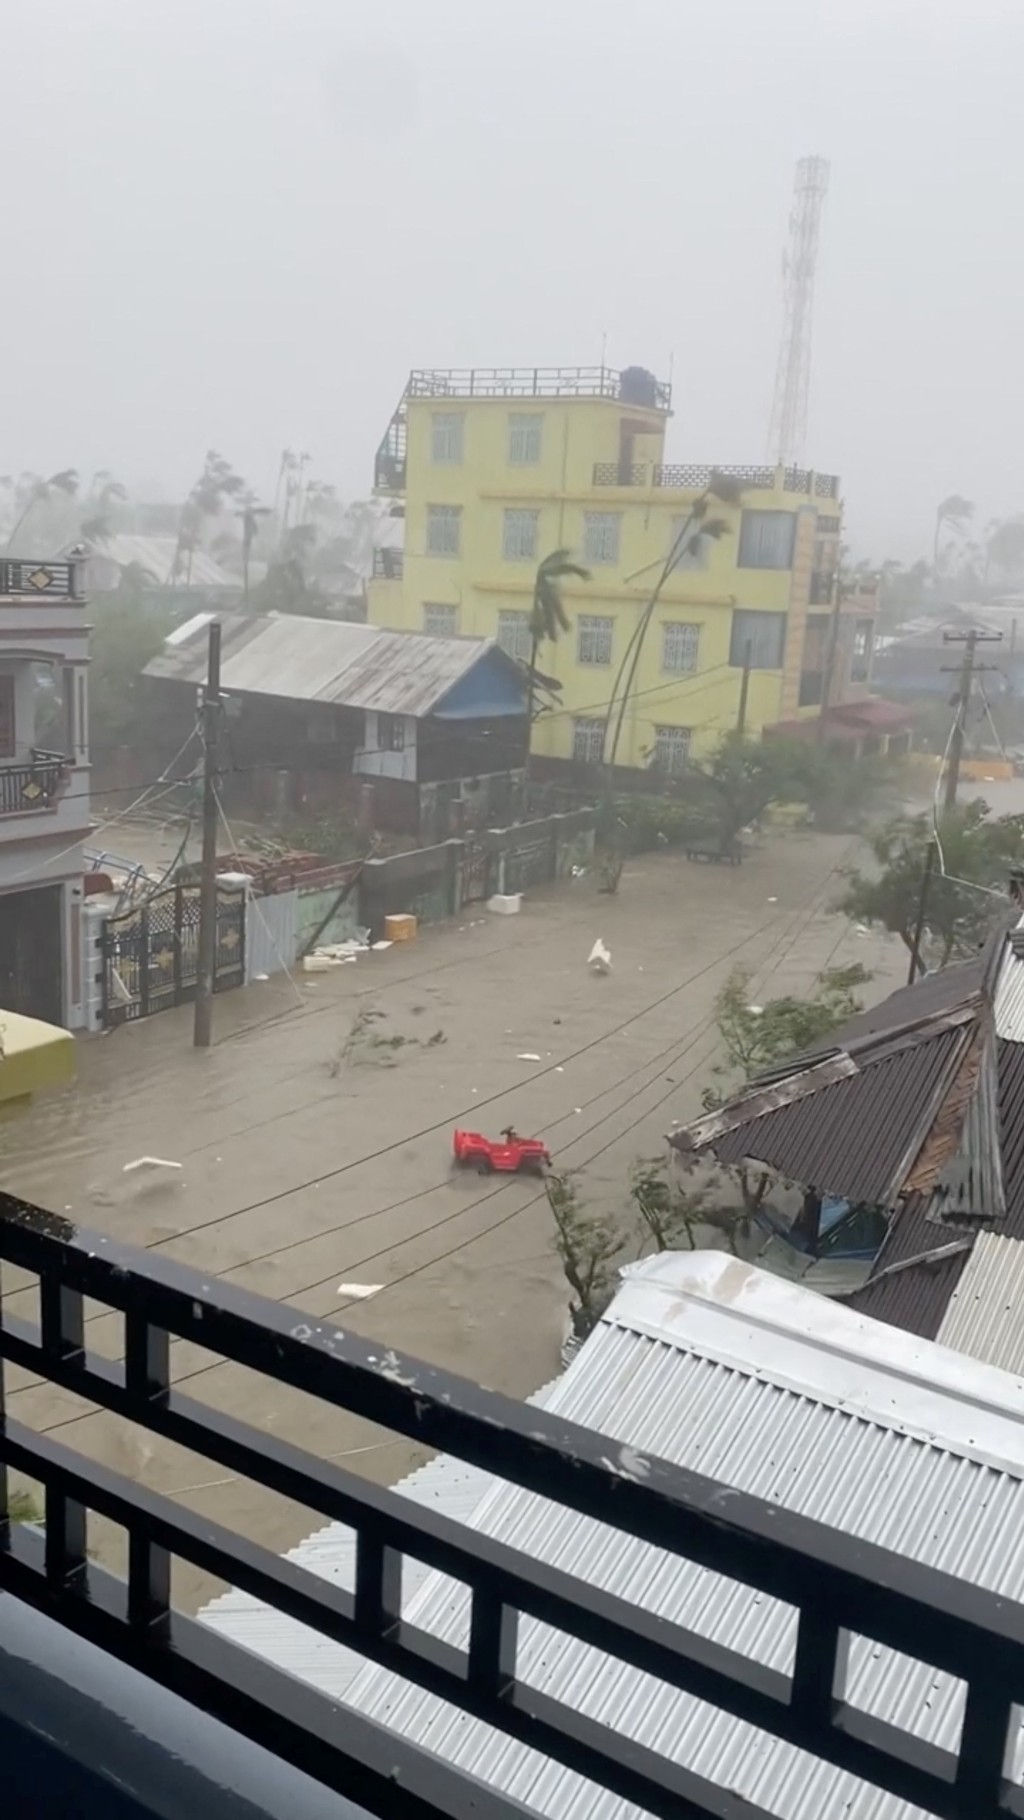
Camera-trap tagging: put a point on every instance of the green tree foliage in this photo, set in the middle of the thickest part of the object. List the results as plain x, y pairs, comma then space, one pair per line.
741, 778
289, 585
978, 851
756, 1038
548, 619
590, 1246
129, 626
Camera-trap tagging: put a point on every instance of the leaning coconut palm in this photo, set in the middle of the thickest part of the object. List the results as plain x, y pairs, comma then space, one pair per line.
952, 514
249, 514
39, 490
697, 528
548, 618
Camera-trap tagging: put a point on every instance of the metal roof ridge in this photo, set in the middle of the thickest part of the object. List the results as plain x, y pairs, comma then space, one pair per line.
776, 1332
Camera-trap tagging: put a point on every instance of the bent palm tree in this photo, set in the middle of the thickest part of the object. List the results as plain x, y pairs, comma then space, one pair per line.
698, 525
66, 482
548, 618
953, 514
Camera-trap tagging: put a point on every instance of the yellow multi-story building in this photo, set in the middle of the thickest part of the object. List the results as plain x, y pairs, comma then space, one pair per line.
498, 468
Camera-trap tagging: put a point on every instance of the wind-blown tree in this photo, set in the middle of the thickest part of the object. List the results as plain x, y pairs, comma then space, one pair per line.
1005, 547
288, 586
548, 618
698, 526
217, 483
249, 515
34, 491
953, 513
104, 495
968, 890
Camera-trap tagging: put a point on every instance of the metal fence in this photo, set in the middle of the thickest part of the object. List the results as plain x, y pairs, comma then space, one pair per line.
835, 1584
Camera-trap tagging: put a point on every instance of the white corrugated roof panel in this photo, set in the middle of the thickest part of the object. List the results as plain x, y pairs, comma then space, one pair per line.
985, 1315
451, 1486
763, 1386
1009, 993
326, 660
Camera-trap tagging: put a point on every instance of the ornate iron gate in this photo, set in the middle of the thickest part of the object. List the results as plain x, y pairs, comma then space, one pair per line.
476, 872
151, 953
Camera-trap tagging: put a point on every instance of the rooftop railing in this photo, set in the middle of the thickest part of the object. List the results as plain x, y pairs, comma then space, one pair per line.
834, 1584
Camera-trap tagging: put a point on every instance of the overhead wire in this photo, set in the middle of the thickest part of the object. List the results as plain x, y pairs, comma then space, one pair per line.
810, 910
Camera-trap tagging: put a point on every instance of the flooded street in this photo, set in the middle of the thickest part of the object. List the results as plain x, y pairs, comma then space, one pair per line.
314, 1138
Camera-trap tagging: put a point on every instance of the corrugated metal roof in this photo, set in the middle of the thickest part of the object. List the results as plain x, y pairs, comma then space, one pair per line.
915, 1297
354, 666
766, 1388
156, 555
1009, 995
444, 1484
985, 1315
858, 1137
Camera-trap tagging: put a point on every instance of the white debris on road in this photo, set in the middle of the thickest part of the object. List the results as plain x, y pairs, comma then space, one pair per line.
599, 959
149, 1162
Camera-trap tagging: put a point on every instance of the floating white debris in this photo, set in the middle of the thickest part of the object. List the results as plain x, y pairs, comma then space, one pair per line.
599, 959
377, 946
359, 1291
528, 1056
261, 976
149, 1162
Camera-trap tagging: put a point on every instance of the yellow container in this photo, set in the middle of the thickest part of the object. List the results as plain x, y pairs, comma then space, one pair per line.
400, 928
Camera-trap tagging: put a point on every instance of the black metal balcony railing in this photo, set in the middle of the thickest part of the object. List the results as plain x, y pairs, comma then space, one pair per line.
689, 475
835, 1584
388, 565
24, 579
35, 785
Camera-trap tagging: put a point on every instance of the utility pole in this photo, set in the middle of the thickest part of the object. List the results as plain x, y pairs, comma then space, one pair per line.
968, 669
833, 648
922, 906
212, 709
741, 717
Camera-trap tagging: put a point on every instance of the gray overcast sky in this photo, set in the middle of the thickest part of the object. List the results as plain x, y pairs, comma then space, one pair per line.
238, 223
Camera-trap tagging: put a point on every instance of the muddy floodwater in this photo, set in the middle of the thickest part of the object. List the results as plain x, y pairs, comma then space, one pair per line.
315, 1137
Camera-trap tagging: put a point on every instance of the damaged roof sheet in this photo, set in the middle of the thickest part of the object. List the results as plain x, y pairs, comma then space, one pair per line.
858, 1136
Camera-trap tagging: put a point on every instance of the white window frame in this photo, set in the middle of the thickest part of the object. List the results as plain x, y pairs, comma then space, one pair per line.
515, 546
688, 643
525, 438
672, 749
444, 530
595, 636
602, 535
517, 642
447, 433
587, 741
441, 609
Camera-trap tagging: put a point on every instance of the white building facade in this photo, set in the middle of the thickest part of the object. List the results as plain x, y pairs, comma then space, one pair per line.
44, 787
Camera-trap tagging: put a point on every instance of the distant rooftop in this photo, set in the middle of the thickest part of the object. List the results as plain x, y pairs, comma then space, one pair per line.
633, 385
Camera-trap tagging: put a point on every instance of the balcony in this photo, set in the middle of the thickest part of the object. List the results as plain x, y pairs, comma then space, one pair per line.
36, 785
830, 1584
821, 588
388, 564
24, 579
